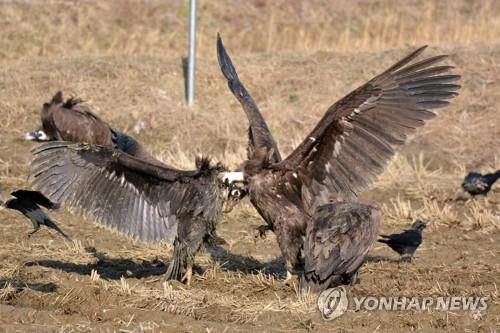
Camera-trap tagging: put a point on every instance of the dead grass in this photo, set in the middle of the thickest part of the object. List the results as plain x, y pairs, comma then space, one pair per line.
69, 28
127, 67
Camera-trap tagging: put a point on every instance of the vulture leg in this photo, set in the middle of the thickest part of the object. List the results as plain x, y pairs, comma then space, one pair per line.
289, 276
350, 279
188, 275
175, 268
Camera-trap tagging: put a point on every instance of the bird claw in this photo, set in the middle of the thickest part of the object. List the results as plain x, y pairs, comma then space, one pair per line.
188, 276
288, 277
262, 231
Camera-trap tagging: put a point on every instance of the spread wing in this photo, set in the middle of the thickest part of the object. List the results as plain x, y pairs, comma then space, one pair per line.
36, 197
139, 199
259, 135
357, 136
338, 239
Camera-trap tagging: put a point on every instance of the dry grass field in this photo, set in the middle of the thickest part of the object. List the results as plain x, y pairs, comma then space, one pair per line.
124, 58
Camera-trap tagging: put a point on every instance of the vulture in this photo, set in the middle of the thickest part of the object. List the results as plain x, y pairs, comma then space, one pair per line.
71, 121
28, 203
309, 198
407, 242
477, 184
144, 200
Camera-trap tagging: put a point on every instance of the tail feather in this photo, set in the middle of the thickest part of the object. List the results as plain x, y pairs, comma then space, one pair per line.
493, 177
51, 224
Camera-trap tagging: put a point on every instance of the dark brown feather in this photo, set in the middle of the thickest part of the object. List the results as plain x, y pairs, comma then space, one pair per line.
259, 135
358, 135
337, 242
104, 183
71, 121
310, 194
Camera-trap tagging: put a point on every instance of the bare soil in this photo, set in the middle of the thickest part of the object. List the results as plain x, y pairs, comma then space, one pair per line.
105, 282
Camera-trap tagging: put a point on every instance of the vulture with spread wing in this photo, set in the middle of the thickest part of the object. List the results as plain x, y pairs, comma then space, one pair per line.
143, 200
71, 121
308, 198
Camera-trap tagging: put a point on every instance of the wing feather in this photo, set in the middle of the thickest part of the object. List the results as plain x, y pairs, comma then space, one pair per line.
338, 239
131, 196
259, 135
359, 134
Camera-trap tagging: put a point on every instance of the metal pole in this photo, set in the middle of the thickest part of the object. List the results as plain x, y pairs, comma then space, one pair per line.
192, 51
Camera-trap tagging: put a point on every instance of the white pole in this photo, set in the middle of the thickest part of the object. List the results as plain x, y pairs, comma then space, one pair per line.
191, 52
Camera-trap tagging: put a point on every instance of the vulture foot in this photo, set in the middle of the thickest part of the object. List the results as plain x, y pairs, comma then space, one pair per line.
262, 231
188, 276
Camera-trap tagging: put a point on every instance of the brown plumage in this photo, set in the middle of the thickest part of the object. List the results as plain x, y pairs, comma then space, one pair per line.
143, 200
308, 194
72, 121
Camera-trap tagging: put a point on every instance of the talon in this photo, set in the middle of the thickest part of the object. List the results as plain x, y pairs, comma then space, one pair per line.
262, 231
188, 276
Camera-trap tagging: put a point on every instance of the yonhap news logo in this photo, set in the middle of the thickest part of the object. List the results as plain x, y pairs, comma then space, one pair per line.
333, 302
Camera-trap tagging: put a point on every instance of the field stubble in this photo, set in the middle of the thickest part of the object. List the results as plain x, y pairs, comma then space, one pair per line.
104, 282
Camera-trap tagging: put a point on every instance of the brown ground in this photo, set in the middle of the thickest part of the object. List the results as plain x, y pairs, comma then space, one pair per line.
127, 69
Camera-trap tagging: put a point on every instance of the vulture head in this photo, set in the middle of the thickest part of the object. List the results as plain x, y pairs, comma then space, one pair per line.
232, 192
38, 134
236, 193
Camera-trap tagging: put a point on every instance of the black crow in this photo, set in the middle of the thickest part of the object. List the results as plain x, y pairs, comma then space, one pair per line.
407, 242
475, 183
28, 203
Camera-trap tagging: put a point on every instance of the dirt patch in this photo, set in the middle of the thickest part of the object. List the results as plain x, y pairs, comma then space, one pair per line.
105, 282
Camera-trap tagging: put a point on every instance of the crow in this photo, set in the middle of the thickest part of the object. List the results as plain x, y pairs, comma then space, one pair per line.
475, 183
28, 203
407, 242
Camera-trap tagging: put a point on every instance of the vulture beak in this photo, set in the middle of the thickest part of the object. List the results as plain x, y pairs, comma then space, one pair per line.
236, 193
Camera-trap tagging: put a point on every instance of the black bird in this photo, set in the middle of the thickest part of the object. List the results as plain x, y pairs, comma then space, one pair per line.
475, 183
407, 242
309, 198
28, 203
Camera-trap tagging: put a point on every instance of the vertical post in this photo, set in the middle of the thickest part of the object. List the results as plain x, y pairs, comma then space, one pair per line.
191, 52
